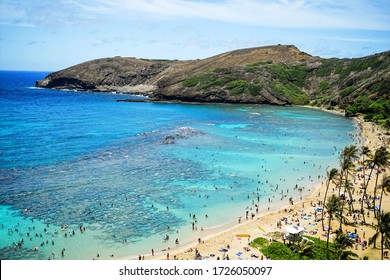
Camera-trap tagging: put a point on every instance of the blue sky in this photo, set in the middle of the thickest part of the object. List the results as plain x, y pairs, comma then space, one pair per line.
54, 34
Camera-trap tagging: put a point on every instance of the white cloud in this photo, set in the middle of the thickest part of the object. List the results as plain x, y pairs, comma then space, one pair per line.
358, 40
59, 32
308, 14
104, 41
282, 13
44, 13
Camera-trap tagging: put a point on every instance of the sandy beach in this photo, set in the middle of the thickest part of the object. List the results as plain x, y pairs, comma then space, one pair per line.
231, 242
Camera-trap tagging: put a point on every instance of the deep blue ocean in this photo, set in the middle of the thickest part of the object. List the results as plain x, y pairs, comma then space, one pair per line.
131, 173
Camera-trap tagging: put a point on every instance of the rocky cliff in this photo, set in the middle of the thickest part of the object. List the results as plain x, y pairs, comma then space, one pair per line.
268, 75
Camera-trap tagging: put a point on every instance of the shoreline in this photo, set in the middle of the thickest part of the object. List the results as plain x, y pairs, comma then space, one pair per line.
228, 228
215, 231
266, 222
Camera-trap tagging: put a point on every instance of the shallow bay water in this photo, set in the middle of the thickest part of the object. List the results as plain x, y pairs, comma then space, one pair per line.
133, 173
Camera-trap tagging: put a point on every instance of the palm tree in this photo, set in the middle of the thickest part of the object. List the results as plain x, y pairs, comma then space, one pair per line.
348, 187
341, 243
385, 187
303, 248
347, 255
366, 152
349, 154
332, 206
383, 229
331, 175
342, 219
381, 159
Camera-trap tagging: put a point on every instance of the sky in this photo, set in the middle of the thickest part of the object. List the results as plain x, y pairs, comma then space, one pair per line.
49, 35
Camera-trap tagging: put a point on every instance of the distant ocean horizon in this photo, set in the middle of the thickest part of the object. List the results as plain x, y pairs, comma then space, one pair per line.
83, 176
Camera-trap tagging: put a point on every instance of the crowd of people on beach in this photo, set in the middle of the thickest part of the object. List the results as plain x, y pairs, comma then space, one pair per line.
270, 192
309, 218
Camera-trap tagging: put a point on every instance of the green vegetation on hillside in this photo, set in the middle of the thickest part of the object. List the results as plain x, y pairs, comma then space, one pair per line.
291, 91
222, 78
207, 80
373, 110
243, 86
344, 67
286, 80
351, 88
295, 74
341, 83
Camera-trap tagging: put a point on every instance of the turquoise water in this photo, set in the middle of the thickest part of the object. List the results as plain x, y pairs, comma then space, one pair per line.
128, 171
